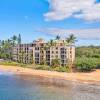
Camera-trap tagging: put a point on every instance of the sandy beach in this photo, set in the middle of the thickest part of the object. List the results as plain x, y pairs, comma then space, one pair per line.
90, 78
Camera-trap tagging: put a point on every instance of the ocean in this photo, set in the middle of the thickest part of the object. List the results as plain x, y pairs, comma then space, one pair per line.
16, 87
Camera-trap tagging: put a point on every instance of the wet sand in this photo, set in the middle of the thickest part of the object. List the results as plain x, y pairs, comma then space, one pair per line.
87, 78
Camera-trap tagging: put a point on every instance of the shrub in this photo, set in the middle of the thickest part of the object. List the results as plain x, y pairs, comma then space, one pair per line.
55, 63
9, 63
61, 69
22, 65
42, 67
86, 64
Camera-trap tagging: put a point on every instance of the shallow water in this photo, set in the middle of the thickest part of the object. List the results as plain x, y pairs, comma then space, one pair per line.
37, 88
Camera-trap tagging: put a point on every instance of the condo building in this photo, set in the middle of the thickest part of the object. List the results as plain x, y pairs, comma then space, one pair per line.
39, 52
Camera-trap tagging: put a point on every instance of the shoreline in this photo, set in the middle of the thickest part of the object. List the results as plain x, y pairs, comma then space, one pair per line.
86, 78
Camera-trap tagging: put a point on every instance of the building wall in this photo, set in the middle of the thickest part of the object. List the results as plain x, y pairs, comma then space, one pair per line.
37, 53
23, 53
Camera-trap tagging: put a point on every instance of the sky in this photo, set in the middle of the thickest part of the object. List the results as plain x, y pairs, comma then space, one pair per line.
35, 19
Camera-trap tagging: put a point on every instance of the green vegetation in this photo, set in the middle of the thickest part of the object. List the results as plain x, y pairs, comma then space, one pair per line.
49, 68
6, 47
55, 63
71, 39
9, 63
61, 69
87, 64
57, 37
89, 51
42, 67
19, 39
87, 58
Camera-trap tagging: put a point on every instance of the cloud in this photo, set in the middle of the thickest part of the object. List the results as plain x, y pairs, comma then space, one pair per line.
79, 33
88, 10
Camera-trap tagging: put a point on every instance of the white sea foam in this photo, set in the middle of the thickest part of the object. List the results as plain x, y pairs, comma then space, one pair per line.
6, 73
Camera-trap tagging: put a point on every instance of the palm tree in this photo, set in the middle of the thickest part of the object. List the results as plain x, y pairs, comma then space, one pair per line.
14, 39
71, 39
42, 52
2, 42
19, 39
6, 49
22, 56
51, 43
57, 37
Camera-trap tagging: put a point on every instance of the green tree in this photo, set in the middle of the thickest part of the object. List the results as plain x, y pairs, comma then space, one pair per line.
14, 39
22, 55
5, 49
19, 39
55, 63
71, 39
57, 37
86, 64
2, 42
51, 43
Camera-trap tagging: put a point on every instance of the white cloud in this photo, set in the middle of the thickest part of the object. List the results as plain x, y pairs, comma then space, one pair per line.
79, 33
85, 9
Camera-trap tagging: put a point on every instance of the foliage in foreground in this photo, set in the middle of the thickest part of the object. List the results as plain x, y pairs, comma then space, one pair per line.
42, 67
49, 68
82, 64
61, 69
37, 67
55, 63
9, 63
7, 45
87, 64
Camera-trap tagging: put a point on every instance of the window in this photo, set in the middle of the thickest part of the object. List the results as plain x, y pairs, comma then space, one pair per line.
62, 48
62, 56
36, 54
62, 52
52, 56
47, 51
52, 51
57, 52
56, 48
42, 45
36, 48
41, 51
47, 56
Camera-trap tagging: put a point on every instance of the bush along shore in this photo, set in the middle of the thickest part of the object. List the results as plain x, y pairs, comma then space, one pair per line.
81, 64
37, 67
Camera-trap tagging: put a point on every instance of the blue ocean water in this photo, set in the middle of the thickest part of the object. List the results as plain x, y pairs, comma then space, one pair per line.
32, 88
